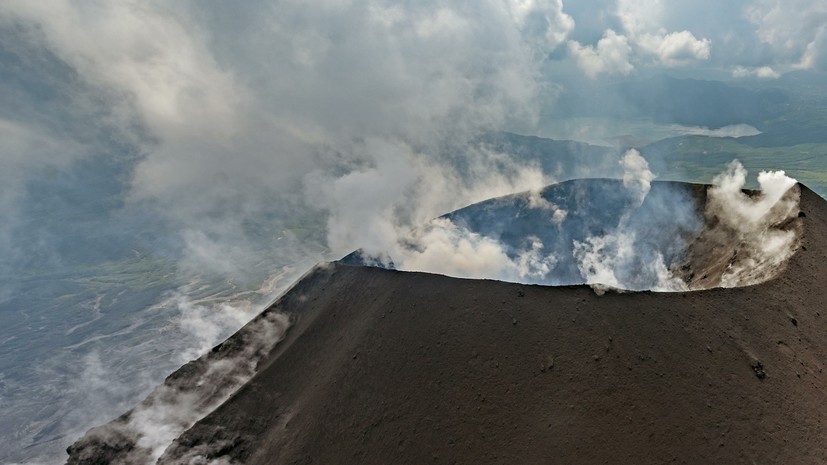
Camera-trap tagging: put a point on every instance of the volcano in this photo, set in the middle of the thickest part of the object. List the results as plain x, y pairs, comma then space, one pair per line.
359, 364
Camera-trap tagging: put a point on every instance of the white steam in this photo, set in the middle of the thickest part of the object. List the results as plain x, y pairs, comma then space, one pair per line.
143, 434
533, 264
746, 239
267, 119
660, 242
170, 410
763, 246
612, 260
636, 174
354, 116
376, 206
535, 200
741, 211
441, 246
207, 323
244, 108
615, 259
445, 248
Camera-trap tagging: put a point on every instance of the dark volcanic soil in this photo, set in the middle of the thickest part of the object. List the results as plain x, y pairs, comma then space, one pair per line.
387, 367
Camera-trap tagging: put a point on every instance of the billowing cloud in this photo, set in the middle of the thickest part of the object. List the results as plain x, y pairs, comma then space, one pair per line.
794, 30
643, 22
639, 16
331, 125
757, 38
609, 56
762, 72
543, 22
252, 114
642, 35
815, 54
676, 48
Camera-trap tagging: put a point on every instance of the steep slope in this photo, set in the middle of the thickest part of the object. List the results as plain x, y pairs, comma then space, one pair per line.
381, 366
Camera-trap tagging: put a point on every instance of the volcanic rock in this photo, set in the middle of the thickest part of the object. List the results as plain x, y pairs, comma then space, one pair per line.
443, 375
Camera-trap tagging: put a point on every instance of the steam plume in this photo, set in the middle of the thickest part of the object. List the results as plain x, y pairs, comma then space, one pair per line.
759, 225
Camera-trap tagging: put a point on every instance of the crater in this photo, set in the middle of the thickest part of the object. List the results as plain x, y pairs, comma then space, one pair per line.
664, 236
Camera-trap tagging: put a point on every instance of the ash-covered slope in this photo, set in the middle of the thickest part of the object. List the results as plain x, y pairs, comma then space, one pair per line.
382, 366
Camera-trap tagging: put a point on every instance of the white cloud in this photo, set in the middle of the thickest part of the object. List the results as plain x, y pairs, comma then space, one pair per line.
644, 24
238, 117
815, 54
794, 30
125, 46
761, 72
609, 56
543, 22
733, 130
640, 16
643, 35
676, 48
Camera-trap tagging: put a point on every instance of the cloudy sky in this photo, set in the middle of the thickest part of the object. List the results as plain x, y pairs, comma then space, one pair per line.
216, 109
761, 39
